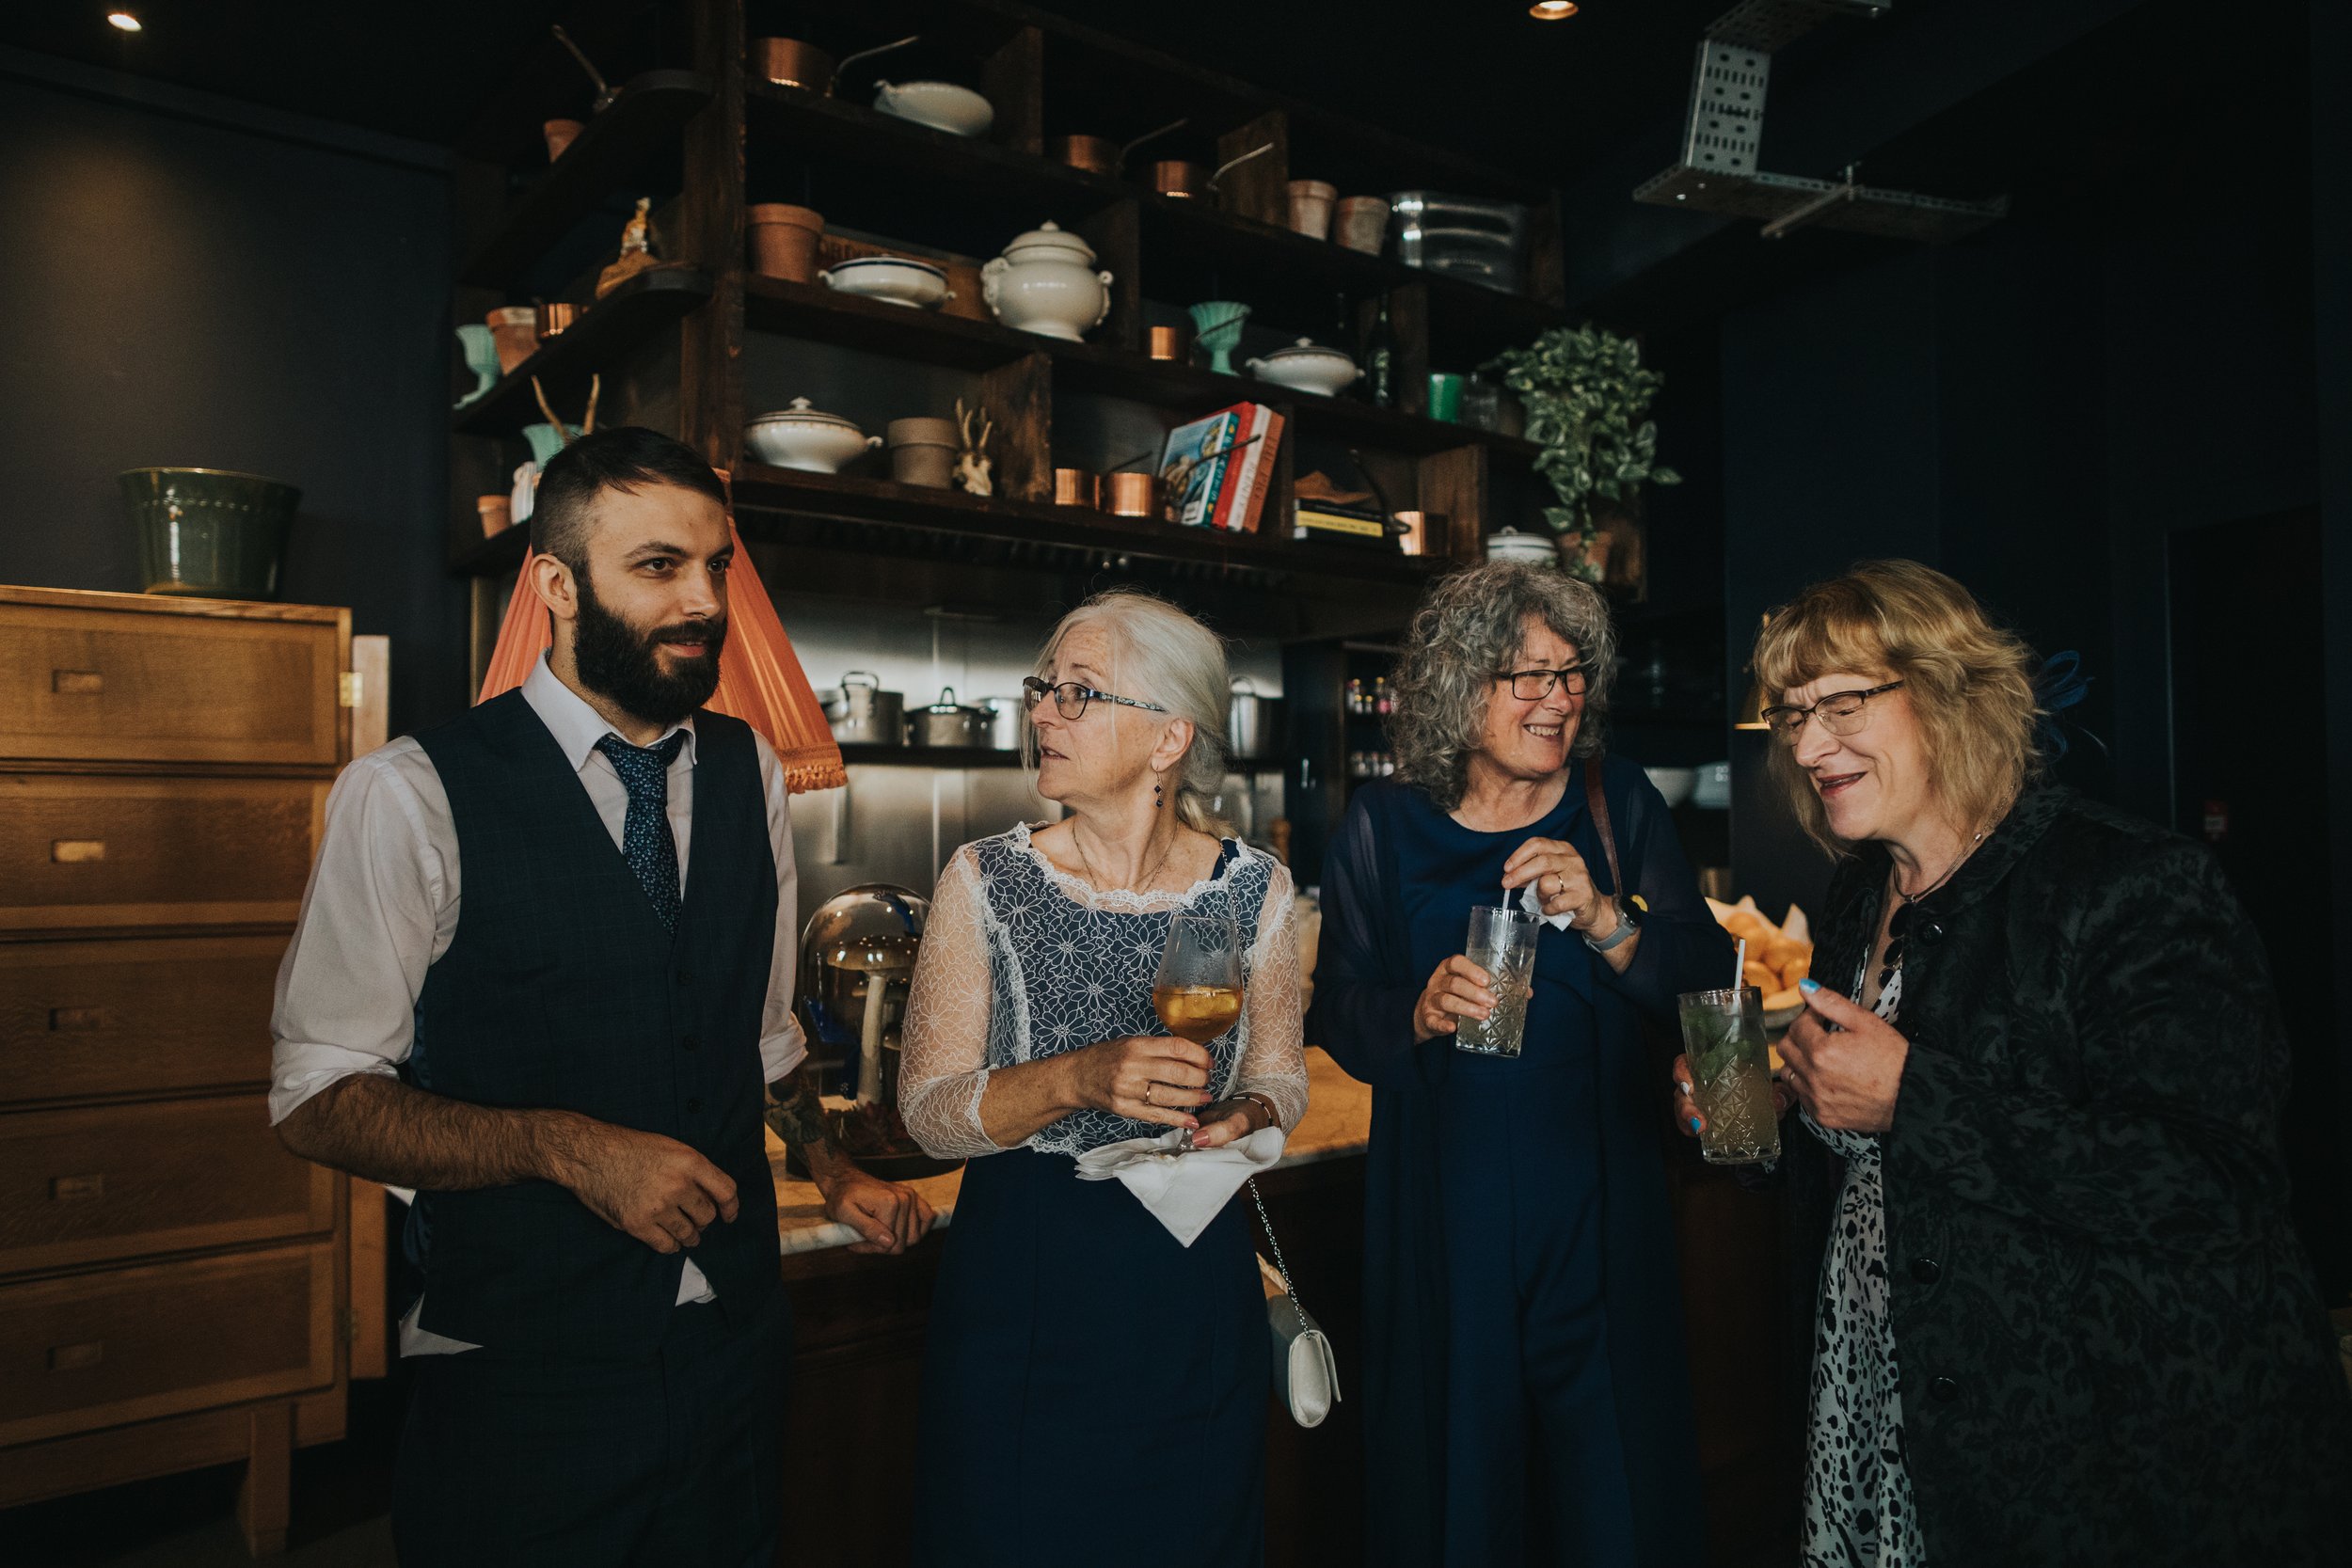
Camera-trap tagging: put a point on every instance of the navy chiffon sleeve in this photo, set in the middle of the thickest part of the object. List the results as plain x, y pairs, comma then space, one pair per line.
1682, 948
1364, 1005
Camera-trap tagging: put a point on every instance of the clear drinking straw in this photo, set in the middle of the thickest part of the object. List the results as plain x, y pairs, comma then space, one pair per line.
1739, 965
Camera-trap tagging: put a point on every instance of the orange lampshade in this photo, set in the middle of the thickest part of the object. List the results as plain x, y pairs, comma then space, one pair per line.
760, 680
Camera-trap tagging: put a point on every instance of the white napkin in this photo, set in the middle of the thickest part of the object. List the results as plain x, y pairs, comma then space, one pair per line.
1535, 906
1183, 1189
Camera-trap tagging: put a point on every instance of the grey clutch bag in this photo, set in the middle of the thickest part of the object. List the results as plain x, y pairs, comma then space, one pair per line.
1305, 1374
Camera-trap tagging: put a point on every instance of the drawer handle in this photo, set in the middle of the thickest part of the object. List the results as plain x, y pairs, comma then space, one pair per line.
76, 851
77, 683
78, 1021
69, 1359
78, 1189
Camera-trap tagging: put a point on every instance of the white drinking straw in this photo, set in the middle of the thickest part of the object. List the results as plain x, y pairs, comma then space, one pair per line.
1739, 965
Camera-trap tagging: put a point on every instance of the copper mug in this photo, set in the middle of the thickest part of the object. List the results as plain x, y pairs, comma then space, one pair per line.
555, 318
791, 63
1077, 487
1167, 342
1135, 495
1099, 154
1178, 177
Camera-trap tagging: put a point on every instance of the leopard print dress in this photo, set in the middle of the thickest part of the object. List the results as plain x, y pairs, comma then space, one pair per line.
1858, 1511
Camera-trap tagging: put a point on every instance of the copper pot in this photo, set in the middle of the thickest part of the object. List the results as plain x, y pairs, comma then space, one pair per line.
1097, 153
1077, 487
1167, 342
1133, 494
784, 240
555, 318
1180, 177
791, 63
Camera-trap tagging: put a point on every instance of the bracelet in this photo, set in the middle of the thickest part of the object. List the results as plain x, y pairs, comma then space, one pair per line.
1263, 1103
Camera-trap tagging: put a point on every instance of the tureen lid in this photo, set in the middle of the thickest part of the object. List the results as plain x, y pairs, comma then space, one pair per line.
800, 413
1050, 235
1307, 348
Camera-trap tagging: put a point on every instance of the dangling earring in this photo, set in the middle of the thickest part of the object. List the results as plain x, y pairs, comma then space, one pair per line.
1156, 796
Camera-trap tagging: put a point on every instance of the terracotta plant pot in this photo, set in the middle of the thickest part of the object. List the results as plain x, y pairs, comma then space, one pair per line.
560, 135
1310, 207
1364, 224
923, 452
784, 240
497, 514
514, 329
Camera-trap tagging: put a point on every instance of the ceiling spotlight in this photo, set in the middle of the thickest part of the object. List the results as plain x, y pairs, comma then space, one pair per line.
1552, 11
128, 23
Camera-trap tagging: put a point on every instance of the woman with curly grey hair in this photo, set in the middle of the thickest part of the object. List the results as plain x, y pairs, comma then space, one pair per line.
1525, 1394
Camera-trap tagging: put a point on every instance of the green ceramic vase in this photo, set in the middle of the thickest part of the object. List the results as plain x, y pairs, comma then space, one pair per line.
210, 532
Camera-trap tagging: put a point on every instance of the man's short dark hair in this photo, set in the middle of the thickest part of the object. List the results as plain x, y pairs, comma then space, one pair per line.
623, 457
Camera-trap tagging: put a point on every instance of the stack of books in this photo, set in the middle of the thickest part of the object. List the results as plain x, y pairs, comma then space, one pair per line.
1344, 522
1218, 469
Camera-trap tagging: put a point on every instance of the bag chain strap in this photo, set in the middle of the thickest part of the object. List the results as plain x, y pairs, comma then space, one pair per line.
1283, 1269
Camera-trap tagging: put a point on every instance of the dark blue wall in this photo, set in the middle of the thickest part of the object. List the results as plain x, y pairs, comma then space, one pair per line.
191, 282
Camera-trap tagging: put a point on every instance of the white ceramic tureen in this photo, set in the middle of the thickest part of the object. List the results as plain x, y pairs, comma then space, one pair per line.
900, 279
1307, 368
1511, 545
805, 438
1046, 283
941, 105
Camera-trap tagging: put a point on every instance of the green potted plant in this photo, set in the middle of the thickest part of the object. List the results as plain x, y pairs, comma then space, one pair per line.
1587, 397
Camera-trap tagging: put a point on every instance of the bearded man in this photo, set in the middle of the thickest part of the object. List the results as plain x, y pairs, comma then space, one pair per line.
570, 1066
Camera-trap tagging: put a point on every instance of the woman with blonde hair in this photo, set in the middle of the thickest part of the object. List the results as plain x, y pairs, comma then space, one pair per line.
1524, 1392
2060, 1314
1092, 1380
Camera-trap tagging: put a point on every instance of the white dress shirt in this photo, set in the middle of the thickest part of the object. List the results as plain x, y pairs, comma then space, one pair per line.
382, 907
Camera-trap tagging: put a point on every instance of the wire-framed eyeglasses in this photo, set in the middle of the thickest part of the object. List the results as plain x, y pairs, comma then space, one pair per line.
1070, 699
1840, 713
1533, 685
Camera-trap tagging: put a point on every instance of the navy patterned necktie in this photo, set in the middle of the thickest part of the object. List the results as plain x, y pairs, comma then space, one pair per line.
645, 841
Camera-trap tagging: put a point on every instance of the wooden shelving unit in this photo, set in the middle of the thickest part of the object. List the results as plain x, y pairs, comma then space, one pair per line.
893, 182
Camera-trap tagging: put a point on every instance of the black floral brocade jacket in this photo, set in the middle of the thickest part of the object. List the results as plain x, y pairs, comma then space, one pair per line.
2111, 1347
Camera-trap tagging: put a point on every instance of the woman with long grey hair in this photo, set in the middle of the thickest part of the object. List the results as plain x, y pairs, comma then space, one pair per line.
1524, 1389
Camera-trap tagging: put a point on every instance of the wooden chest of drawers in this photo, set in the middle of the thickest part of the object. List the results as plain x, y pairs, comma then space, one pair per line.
174, 1286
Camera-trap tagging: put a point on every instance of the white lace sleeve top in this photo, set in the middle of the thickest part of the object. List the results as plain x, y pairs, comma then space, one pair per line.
1021, 960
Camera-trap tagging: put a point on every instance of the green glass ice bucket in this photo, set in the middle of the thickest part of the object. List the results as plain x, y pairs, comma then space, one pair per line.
210, 532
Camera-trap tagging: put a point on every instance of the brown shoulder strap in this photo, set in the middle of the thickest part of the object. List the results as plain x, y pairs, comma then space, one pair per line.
1599, 803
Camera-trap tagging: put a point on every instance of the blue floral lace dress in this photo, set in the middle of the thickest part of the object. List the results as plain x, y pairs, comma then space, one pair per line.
1091, 1389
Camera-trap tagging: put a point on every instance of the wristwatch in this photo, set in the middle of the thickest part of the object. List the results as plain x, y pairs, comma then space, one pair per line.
1624, 928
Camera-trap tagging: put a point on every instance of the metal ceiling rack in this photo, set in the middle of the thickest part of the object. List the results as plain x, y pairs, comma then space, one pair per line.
1717, 171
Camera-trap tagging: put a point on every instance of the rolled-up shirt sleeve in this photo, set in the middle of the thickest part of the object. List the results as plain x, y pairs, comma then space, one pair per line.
377, 912
782, 1044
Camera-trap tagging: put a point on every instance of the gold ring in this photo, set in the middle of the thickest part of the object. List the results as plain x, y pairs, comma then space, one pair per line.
1147, 1093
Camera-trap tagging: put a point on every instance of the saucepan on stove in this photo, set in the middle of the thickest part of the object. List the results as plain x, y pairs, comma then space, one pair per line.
949, 723
861, 713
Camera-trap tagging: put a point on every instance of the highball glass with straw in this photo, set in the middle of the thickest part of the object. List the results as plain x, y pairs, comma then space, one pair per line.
1501, 943
1731, 1075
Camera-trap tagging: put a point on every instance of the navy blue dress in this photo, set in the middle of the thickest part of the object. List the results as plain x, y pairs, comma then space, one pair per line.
1093, 1390
1525, 1395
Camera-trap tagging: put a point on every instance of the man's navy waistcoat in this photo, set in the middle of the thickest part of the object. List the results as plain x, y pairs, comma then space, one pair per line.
562, 990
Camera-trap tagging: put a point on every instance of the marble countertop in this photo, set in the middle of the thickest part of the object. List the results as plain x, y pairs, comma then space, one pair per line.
1338, 1123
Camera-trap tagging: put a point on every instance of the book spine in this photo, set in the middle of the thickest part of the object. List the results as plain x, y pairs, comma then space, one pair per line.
1237, 466
1261, 479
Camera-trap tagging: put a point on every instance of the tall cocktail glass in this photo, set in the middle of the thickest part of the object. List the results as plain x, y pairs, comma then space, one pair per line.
1731, 1075
1501, 943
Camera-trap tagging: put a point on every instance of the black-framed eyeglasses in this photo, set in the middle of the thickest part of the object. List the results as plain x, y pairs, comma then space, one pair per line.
1840, 713
1070, 699
1533, 685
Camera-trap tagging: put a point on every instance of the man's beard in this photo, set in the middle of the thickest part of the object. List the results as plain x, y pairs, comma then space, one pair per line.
620, 664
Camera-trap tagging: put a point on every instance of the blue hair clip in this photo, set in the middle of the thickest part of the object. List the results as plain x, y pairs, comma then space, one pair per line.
2060, 686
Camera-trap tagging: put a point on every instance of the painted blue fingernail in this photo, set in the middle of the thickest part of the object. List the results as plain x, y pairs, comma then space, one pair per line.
1694, 1124
1808, 984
